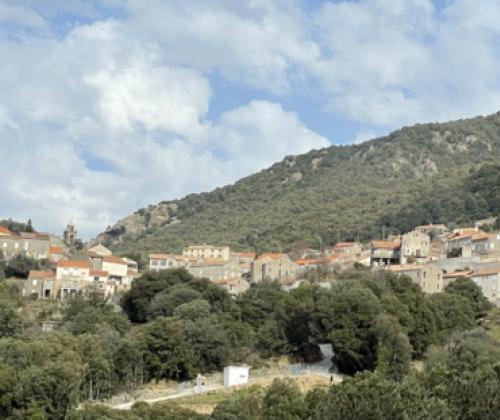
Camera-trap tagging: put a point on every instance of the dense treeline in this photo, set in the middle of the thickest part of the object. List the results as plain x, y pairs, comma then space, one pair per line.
428, 173
181, 326
459, 380
476, 197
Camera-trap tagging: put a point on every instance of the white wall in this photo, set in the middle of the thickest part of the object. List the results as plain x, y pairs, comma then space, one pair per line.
236, 375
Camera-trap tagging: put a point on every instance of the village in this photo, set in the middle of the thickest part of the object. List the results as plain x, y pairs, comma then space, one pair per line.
431, 255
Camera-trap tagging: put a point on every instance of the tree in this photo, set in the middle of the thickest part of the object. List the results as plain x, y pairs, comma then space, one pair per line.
10, 321
29, 226
283, 401
136, 302
209, 343
164, 303
394, 350
466, 374
421, 323
245, 405
20, 266
2, 266
196, 309
453, 313
168, 354
54, 387
349, 313
271, 339
472, 292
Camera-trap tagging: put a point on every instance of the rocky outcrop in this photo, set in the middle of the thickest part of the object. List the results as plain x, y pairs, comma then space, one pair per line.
142, 220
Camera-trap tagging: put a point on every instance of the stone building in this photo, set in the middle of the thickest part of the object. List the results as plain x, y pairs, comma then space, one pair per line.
166, 261
207, 251
216, 269
384, 253
32, 244
273, 267
468, 242
415, 245
40, 284
489, 282
428, 277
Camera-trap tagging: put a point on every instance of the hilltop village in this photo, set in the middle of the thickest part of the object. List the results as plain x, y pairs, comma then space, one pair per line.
431, 255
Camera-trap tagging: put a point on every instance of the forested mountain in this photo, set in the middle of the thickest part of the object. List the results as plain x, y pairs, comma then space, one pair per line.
428, 173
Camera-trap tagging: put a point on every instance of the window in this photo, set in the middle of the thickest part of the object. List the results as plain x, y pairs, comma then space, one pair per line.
34, 282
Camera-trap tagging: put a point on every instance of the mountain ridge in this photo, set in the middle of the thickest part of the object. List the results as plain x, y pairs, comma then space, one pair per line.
330, 194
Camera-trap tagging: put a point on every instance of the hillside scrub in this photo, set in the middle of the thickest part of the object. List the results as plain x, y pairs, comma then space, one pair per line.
429, 173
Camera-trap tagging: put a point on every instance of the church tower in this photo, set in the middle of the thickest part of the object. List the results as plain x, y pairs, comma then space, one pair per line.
70, 234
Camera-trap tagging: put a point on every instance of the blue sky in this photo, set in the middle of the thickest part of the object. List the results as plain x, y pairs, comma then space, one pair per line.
107, 106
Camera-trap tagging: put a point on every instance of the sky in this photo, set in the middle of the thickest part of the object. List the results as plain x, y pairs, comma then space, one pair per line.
107, 106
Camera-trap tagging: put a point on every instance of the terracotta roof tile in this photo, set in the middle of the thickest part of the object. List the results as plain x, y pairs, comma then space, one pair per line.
246, 254
344, 244
456, 274
386, 244
55, 250
5, 231
40, 274
489, 272
74, 264
273, 256
406, 267
99, 273
113, 259
159, 256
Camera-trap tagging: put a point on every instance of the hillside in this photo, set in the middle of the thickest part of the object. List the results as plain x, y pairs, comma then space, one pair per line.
439, 172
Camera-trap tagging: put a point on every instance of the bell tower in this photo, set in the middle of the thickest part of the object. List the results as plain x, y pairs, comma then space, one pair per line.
70, 234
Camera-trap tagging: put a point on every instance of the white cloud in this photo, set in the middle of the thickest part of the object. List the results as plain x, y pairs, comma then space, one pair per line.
97, 93
157, 98
256, 42
13, 14
101, 118
393, 63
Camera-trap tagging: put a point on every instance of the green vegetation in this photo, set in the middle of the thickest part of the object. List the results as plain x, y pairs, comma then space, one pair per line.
375, 322
20, 266
17, 227
432, 173
460, 380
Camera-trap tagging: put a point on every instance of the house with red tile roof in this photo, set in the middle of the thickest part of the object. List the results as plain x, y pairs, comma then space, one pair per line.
384, 253
348, 248
468, 242
40, 284
160, 261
